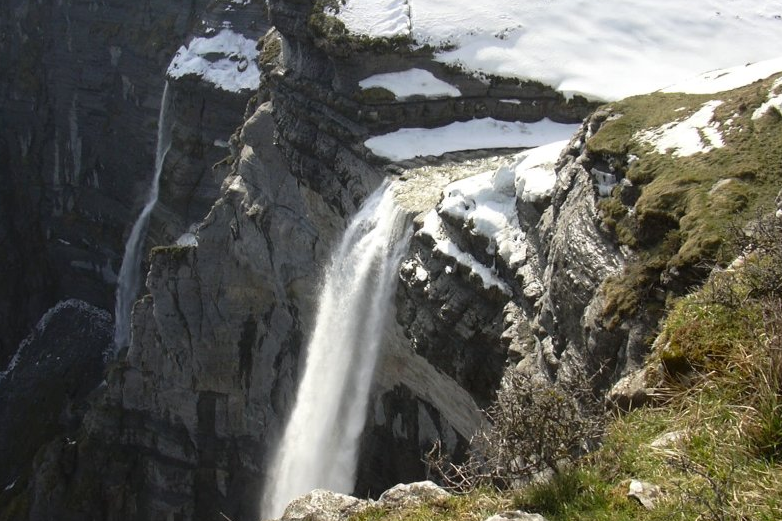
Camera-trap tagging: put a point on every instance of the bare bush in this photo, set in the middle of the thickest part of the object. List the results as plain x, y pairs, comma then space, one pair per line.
535, 426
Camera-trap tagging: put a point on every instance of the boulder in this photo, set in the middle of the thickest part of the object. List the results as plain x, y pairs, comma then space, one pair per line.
407, 494
324, 505
630, 392
646, 493
516, 515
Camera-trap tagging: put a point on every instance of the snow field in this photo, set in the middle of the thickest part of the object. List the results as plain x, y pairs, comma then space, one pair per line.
604, 50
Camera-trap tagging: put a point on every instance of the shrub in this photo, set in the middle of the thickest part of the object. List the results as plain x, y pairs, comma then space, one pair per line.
535, 426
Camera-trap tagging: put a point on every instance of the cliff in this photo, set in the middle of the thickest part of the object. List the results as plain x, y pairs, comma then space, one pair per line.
81, 86
185, 422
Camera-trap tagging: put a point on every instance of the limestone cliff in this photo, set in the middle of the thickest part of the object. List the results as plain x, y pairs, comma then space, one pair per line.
183, 426
80, 88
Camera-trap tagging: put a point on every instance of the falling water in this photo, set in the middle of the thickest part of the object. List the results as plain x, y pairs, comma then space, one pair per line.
130, 271
319, 447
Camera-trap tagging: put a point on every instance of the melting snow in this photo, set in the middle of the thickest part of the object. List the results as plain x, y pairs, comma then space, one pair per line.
475, 134
412, 82
433, 227
487, 203
727, 79
697, 133
534, 171
774, 101
226, 60
606, 50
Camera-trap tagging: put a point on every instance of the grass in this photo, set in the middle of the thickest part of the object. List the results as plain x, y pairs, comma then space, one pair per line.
175, 252
686, 204
476, 506
718, 366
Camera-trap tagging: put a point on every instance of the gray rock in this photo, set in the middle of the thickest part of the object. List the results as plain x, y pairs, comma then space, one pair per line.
79, 98
668, 440
646, 493
409, 494
324, 505
44, 391
516, 515
630, 392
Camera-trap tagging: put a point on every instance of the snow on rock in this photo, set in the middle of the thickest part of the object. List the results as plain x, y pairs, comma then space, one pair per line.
603, 50
377, 18
413, 82
534, 171
774, 100
227, 60
433, 227
187, 239
697, 133
190, 237
475, 134
486, 203
721, 80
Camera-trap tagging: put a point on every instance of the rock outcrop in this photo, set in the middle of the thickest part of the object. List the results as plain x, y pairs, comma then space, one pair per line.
188, 416
45, 389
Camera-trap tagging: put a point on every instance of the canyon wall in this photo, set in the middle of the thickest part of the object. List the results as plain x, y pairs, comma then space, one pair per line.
183, 426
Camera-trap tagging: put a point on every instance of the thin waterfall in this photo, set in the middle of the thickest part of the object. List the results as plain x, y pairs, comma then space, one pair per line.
319, 447
130, 271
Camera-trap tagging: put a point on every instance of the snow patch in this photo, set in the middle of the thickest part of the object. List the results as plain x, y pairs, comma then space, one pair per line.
727, 79
412, 82
189, 238
774, 101
432, 227
226, 60
487, 201
697, 133
475, 134
534, 171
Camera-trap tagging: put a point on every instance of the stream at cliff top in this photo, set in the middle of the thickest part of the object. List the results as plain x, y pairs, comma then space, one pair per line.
130, 271
319, 447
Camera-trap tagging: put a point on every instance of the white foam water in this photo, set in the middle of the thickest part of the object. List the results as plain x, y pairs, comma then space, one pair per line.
130, 271
319, 447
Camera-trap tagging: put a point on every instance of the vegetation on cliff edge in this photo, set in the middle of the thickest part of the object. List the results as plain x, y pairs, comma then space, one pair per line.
673, 211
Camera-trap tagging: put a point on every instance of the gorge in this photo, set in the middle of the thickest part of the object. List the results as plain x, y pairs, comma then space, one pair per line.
267, 161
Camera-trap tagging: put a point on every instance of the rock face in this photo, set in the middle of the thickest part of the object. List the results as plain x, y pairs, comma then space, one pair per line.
44, 391
187, 418
80, 88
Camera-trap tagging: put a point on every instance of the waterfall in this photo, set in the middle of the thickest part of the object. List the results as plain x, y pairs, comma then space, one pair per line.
319, 447
130, 271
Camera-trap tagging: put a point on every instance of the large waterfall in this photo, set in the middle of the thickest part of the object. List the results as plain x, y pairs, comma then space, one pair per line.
319, 447
130, 271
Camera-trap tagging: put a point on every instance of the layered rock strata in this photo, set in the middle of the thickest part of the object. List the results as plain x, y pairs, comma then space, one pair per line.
185, 424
